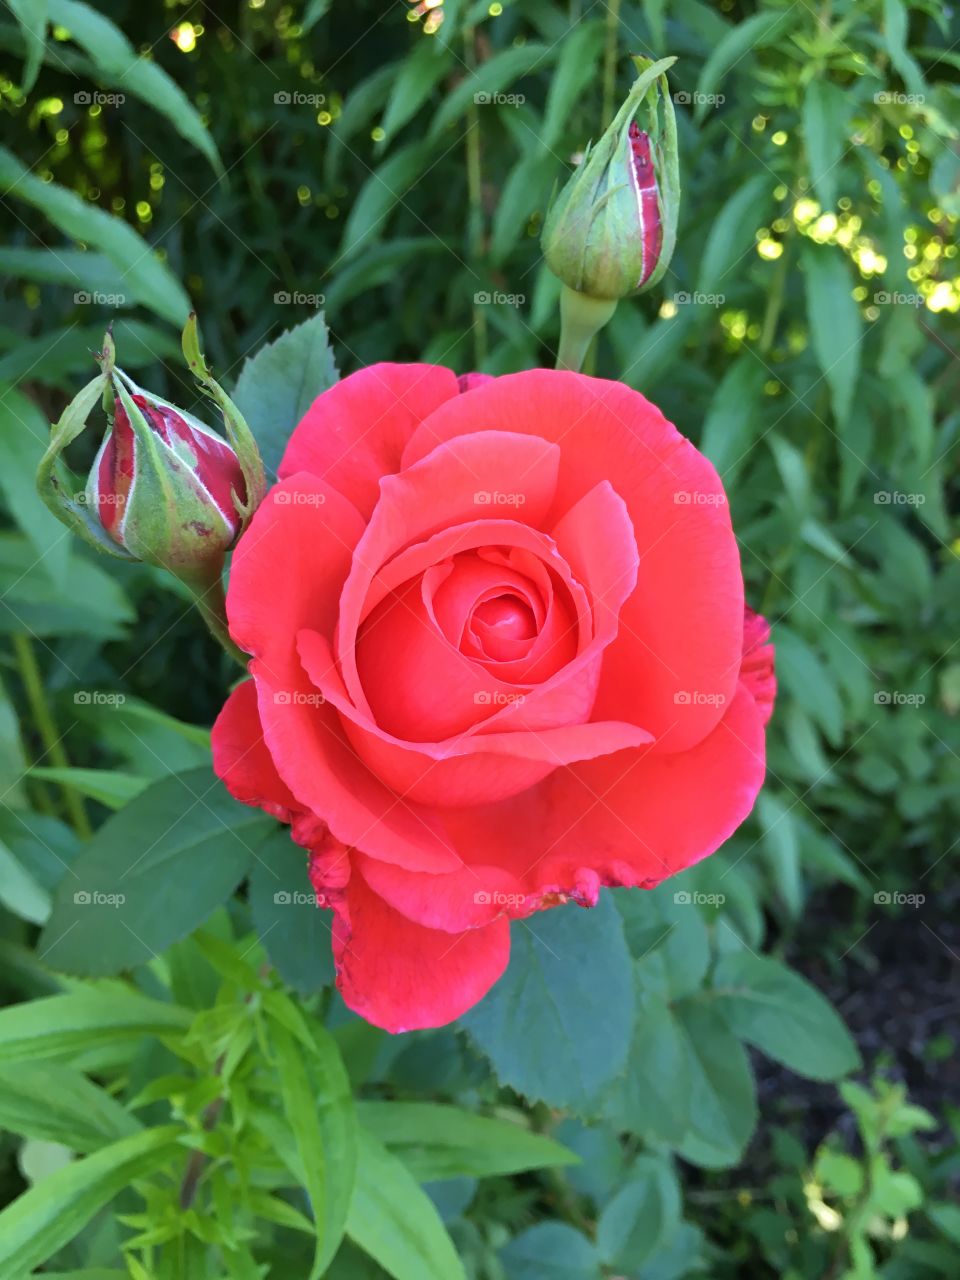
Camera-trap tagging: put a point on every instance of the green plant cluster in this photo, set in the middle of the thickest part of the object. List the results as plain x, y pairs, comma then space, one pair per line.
658, 1088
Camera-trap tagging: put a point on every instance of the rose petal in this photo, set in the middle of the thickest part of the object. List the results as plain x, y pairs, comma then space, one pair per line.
633, 818
323, 770
404, 977
468, 381
419, 687
595, 537
288, 569
417, 684
758, 671
455, 484
467, 587
681, 629
469, 768
286, 573
354, 434
451, 901
515, 546
241, 759
561, 620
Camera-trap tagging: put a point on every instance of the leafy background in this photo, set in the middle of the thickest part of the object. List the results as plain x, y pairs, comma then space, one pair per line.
659, 1088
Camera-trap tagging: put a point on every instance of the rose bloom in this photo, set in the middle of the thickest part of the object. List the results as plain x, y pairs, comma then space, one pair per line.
500, 659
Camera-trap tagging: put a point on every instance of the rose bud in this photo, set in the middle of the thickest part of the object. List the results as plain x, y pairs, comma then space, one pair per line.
606, 234
612, 229
165, 487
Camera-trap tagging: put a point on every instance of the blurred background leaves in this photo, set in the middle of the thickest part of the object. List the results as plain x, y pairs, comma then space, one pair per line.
263, 161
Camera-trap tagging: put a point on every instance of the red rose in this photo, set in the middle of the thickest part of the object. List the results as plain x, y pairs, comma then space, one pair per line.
497, 630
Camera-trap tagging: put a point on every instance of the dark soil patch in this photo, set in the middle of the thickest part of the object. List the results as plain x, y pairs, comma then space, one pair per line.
897, 987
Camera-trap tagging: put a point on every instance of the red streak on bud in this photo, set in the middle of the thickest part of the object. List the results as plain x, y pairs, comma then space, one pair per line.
115, 472
215, 464
648, 202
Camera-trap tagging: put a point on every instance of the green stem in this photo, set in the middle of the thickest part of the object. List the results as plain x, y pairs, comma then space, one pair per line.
774, 303
610, 52
47, 728
581, 319
475, 198
567, 1202
208, 596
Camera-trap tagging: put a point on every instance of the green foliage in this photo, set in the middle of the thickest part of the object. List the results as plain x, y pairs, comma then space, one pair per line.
149, 281
51, 1213
439, 1142
777, 1011
393, 1220
86, 1018
165, 861
641, 1216
551, 1251
199, 1103
542, 1027
318, 1106
858, 1203
118, 65
295, 934
279, 384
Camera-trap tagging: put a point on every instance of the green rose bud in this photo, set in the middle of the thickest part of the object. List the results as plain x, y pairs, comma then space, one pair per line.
612, 229
164, 488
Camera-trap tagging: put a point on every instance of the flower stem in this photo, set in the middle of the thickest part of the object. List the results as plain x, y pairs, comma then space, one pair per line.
207, 591
475, 197
50, 735
774, 304
581, 319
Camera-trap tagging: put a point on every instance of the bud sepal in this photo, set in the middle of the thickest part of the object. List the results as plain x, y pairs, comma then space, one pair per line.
238, 433
166, 488
53, 481
612, 229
